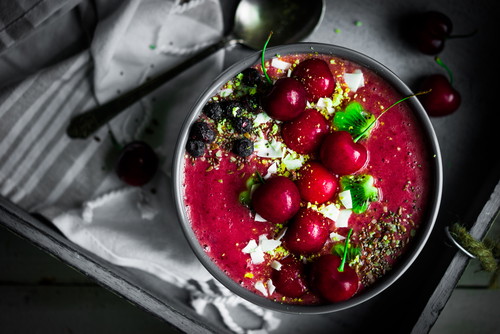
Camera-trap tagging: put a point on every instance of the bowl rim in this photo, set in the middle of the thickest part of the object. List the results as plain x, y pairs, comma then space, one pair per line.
423, 233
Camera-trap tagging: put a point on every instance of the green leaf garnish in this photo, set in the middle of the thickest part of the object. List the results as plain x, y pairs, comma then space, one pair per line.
355, 120
263, 58
346, 251
363, 192
245, 197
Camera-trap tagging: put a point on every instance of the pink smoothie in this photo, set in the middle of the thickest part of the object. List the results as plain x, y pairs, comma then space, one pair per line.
399, 162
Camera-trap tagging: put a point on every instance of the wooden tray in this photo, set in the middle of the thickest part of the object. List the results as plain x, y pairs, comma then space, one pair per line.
471, 170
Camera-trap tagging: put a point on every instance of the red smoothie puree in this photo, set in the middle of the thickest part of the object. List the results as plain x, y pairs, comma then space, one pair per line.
251, 251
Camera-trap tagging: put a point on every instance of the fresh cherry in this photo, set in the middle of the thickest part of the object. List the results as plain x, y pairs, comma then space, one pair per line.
307, 233
341, 154
137, 163
442, 99
332, 284
286, 100
305, 133
428, 31
316, 77
277, 200
290, 280
316, 183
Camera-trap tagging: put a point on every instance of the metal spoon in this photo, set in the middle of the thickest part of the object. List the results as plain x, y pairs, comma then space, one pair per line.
289, 20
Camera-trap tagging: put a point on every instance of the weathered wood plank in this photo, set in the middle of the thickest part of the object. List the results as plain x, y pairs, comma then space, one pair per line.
72, 309
449, 280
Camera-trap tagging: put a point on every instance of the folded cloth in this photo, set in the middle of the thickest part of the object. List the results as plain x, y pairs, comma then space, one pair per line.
72, 182
18, 19
28, 29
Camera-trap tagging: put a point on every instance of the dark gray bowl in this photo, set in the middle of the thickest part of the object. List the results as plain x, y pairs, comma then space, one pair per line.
418, 242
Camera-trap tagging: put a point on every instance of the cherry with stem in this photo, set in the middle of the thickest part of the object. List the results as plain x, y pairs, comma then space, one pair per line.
444, 98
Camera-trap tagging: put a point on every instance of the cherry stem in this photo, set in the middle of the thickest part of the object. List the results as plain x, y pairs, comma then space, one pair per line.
261, 179
344, 253
263, 58
443, 65
472, 33
387, 109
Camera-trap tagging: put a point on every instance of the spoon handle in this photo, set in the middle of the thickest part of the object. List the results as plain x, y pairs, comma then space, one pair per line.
85, 124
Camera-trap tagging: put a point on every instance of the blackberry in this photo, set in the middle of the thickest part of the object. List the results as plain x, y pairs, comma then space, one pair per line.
251, 102
243, 147
202, 131
232, 108
241, 124
264, 88
195, 147
251, 77
213, 110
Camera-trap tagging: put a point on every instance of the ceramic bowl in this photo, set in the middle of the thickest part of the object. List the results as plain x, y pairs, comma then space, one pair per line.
418, 241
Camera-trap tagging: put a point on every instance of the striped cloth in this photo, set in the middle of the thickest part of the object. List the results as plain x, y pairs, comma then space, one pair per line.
42, 169
59, 58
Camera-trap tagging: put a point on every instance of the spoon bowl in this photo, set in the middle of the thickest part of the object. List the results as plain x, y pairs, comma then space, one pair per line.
289, 20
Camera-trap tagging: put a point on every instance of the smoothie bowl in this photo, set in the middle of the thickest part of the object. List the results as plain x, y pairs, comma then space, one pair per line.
307, 178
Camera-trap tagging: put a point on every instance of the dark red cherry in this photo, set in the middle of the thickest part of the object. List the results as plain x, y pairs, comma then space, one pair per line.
137, 163
341, 154
290, 280
286, 100
277, 200
316, 77
443, 99
305, 133
428, 31
316, 183
329, 282
307, 232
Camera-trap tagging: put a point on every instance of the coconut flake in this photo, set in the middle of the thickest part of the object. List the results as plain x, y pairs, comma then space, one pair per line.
273, 169
292, 163
276, 265
354, 80
257, 256
330, 211
268, 149
336, 237
346, 199
259, 285
343, 219
270, 286
261, 118
256, 253
259, 218
268, 245
326, 103
250, 247
280, 64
